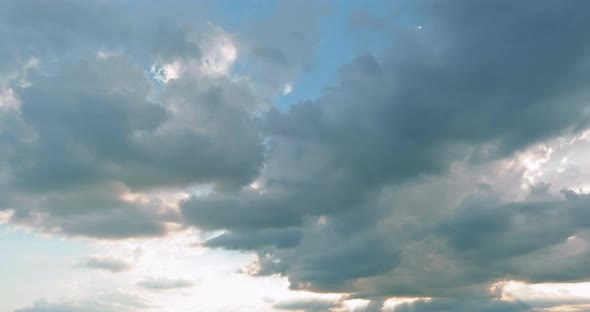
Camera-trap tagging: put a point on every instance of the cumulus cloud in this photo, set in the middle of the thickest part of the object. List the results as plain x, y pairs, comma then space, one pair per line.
308, 305
553, 296
106, 263
106, 302
403, 179
280, 45
280, 238
96, 127
464, 92
462, 305
165, 283
287, 88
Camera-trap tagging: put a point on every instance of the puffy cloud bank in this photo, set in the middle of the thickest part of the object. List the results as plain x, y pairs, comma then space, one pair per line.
419, 173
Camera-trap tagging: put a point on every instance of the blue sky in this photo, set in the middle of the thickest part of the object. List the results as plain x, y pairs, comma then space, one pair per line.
308, 156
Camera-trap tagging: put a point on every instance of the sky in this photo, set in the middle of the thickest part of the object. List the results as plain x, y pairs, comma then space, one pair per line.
294, 156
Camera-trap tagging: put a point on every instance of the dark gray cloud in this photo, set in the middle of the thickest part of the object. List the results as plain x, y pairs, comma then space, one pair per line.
492, 231
88, 125
84, 135
308, 305
279, 238
279, 45
363, 21
98, 112
332, 262
367, 133
476, 84
70, 30
96, 211
536, 242
107, 263
243, 211
352, 191
165, 283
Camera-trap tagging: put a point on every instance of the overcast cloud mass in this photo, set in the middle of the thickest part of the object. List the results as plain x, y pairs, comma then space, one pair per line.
354, 156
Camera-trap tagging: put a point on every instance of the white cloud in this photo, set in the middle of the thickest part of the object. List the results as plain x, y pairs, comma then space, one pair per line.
7, 99
549, 294
114, 301
218, 53
287, 88
166, 72
5, 216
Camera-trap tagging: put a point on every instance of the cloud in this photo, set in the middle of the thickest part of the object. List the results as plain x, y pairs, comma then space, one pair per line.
464, 92
308, 305
126, 126
551, 296
84, 135
461, 305
281, 238
500, 231
279, 46
56, 35
165, 283
363, 21
93, 212
403, 179
287, 88
107, 302
113, 265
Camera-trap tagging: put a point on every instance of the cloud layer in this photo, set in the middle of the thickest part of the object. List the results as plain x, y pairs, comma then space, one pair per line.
464, 90
415, 174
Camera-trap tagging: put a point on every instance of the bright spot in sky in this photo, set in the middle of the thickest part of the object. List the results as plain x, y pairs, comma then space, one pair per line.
7, 98
164, 73
5, 216
538, 293
287, 88
219, 54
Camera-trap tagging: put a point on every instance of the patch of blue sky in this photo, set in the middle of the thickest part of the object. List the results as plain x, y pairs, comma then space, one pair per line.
23, 250
338, 45
28, 259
